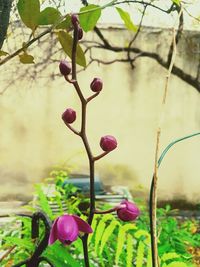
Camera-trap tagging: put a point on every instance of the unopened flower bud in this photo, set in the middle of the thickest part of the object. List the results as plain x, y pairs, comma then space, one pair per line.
96, 85
74, 20
127, 211
80, 33
65, 67
108, 143
69, 116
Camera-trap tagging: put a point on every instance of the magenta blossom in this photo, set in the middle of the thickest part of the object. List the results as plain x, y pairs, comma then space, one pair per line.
108, 143
66, 228
127, 211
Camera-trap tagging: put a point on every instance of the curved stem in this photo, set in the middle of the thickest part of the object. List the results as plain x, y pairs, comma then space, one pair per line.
101, 155
151, 195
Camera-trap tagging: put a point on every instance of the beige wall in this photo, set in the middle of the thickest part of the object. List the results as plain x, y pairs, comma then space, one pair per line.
34, 138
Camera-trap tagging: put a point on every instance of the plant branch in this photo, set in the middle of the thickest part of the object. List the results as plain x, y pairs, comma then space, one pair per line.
7, 253
193, 81
92, 97
135, 37
101, 155
153, 190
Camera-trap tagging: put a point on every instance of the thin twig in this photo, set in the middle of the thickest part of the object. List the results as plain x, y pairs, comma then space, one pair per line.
153, 191
7, 253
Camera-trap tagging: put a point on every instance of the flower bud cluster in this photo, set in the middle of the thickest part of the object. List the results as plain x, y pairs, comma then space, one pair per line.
76, 24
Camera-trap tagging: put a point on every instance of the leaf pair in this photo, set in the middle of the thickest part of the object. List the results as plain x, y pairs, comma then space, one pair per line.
32, 17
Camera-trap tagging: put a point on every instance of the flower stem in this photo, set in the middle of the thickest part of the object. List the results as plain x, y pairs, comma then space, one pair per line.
83, 136
85, 250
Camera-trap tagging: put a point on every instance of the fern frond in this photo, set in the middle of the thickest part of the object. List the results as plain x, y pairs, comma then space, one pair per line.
94, 228
149, 257
107, 233
43, 201
99, 232
177, 264
120, 243
170, 256
129, 249
140, 254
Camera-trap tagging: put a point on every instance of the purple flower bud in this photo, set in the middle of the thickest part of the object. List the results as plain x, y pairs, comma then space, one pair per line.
69, 116
96, 85
66, 228
108, 143
127, 211
65, 67
80, 33
74, 20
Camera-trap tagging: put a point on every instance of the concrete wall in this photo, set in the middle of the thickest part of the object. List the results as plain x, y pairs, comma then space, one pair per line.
34, 138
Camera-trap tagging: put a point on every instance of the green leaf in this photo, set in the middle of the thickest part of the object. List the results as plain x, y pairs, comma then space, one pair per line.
3, 53
107, 233
127, 20
149, 258
99, 232
140, 254
60, 256
48, 16
89, 19
65, 24
120, 243
43, 201
170, 256
178, 2
66, 42
177, 263
94, 224
26, 59
129, 248
23, 243
29, 11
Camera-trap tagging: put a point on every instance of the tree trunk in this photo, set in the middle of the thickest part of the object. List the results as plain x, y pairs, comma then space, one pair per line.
5, 8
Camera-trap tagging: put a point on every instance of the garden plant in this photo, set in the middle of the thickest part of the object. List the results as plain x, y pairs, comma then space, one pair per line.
123, 235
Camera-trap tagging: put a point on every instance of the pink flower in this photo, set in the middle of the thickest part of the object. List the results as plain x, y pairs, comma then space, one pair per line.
127, 211
96, 85
66, 228
69, 116
108, 143
65, 67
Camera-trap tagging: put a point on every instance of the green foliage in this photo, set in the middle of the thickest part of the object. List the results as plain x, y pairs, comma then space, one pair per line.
89, 19
60, 256
48, 16
129, 249
177, 264
140, 254
127, 19
26, 58
66, 42
29, 11
3, 53
65, 24
178, 2
107, 233
42, 201
113, 242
